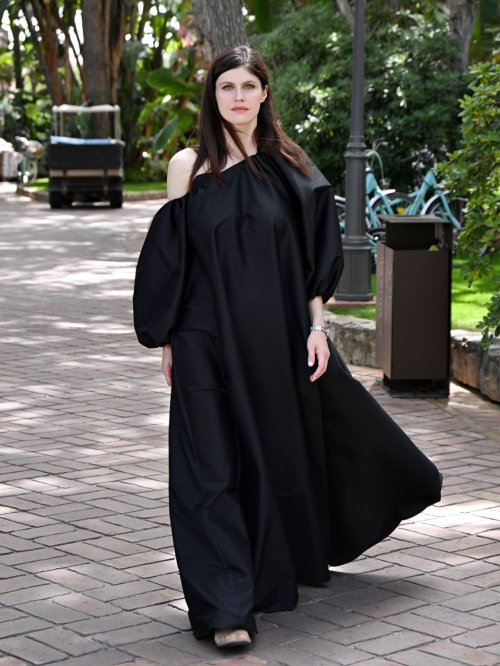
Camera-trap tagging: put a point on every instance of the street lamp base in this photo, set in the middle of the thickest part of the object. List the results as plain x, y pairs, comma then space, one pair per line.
355, 281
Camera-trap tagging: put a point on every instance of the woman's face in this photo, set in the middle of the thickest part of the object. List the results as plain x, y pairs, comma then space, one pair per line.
239, 96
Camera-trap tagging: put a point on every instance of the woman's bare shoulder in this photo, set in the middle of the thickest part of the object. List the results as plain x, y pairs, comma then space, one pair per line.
178, 173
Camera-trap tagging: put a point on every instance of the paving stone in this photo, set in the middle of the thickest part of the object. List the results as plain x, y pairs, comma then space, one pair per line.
122, 591
147, 599
33, 593
135, 634
453, 617
30, 650
19, 583
106, 574
52, 563
479, 637
103, 658
490, 612
90, 627
390, 606
359, 598
66, 640
425, 625
294, 620
11, 661
336, 616
155, 569
410, 589
71, 579
167, 614
85, 604
161, 653
400, 640
320, 647
7, 614
52, 612
358, 633
284, 654
420, 658
473, 601
21, 625
461, 653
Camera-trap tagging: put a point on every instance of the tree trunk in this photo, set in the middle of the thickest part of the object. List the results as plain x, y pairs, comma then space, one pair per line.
461, 16
18, 70
116, 39
54, 93
95, 59
219, 25
51, 49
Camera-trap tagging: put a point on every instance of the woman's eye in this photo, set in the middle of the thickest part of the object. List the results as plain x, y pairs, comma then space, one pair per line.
229, 86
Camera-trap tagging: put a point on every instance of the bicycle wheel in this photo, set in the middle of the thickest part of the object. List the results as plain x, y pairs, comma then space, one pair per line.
375, 234
340, 205
33, 171
399, 202
457, 205
29, 171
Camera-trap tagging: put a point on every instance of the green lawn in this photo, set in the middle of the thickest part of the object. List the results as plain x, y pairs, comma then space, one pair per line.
41, 185
468, 306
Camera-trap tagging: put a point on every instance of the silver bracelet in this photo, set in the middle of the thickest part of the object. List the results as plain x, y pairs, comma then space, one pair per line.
325, 330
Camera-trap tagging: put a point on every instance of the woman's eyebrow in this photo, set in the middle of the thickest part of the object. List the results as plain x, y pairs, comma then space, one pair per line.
231, 82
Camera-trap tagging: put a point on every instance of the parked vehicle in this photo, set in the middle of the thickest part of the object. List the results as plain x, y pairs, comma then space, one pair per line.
85, 169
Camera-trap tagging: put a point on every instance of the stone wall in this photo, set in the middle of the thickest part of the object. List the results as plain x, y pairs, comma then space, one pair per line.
355, 340
473, 366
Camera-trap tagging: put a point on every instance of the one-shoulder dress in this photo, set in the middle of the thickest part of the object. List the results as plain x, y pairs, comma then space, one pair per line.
272, 478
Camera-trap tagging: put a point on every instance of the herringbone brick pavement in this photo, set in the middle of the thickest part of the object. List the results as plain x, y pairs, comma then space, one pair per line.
88, 574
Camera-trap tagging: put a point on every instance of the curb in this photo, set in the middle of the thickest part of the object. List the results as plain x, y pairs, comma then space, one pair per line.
127, 196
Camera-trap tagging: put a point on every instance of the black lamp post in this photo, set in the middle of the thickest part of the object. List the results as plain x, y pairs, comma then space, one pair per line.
355, 283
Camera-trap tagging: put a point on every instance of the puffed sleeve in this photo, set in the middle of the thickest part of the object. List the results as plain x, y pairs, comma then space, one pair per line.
323, 246
318, 229
160, 275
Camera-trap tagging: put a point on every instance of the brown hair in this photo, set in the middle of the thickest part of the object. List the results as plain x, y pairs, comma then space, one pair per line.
269, 138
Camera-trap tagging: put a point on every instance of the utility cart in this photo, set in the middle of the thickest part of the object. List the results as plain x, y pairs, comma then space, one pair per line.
86, 170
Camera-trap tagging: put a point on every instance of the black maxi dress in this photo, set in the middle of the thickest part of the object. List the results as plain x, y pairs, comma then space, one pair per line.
272, 477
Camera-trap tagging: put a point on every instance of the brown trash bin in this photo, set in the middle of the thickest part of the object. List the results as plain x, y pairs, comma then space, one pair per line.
414, 302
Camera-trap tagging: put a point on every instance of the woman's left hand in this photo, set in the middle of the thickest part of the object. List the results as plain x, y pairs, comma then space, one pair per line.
317, 345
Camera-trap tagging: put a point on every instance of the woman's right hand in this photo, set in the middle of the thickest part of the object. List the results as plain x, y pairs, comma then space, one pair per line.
166, 363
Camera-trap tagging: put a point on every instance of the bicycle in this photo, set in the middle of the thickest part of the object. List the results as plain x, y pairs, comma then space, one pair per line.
32, 151
438, 204
386, 201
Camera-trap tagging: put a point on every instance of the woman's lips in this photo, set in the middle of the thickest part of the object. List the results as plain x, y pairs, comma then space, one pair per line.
240, 110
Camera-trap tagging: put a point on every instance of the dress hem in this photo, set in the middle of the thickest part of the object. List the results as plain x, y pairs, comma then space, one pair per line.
387, 529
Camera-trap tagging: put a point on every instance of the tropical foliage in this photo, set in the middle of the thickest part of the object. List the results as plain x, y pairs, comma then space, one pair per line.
475, 168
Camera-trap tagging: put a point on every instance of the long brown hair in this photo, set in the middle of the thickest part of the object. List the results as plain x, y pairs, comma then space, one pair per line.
269, 138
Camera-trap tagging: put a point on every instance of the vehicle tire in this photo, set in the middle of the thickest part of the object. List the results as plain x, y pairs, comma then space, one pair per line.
55, 199
116, 199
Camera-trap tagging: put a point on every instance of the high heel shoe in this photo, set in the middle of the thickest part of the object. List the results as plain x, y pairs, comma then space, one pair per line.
231, 637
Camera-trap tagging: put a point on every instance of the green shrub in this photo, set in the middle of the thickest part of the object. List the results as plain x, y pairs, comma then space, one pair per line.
475, 168
411, 88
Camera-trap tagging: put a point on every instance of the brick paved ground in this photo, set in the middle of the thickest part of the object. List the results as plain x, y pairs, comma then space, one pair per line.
87, 569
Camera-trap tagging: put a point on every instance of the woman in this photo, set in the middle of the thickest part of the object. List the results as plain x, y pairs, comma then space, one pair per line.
281, 463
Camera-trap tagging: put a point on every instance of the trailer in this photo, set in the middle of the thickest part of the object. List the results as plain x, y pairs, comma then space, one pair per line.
86, 170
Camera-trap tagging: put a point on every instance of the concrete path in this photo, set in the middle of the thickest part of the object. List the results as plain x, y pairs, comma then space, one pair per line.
87, 569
